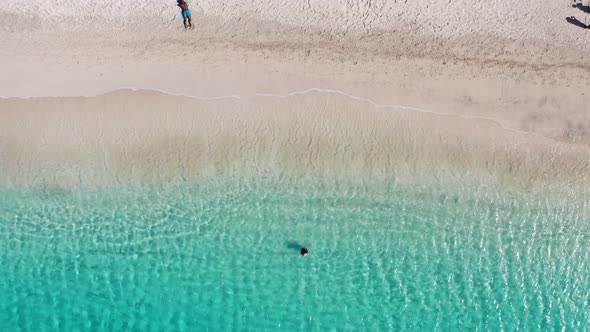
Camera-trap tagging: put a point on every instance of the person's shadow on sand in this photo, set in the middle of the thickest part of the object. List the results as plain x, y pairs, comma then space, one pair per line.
585, 9
576, 22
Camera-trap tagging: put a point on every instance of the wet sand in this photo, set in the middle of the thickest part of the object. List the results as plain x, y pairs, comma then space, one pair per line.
148, 137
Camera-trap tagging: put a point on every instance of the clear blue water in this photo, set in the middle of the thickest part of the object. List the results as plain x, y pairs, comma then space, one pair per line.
224, 255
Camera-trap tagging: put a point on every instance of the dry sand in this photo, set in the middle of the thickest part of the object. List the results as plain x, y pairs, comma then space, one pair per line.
499, 89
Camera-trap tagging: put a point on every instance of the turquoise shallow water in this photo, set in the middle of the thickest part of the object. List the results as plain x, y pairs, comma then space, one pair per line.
223, 255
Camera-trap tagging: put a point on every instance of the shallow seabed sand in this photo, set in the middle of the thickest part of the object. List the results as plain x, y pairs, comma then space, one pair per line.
149, 137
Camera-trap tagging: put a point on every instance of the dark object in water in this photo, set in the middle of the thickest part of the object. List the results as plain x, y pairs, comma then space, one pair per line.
304, 251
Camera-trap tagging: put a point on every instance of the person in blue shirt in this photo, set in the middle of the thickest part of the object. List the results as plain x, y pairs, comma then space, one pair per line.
186, 14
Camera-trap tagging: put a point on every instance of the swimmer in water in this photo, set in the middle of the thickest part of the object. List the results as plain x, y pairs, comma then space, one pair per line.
304, 251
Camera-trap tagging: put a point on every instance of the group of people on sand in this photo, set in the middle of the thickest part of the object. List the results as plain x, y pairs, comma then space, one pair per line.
573, 20
186, 13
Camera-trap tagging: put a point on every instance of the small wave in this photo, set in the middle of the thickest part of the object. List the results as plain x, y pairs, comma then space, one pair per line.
376, 105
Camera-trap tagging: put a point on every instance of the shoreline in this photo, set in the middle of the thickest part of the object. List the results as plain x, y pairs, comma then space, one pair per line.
295, 93
528, 85
134, 137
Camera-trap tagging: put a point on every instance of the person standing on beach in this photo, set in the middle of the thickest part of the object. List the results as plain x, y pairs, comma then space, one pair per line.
186, 13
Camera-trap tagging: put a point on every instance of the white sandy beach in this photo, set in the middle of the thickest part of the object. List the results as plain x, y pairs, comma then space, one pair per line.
497, 88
